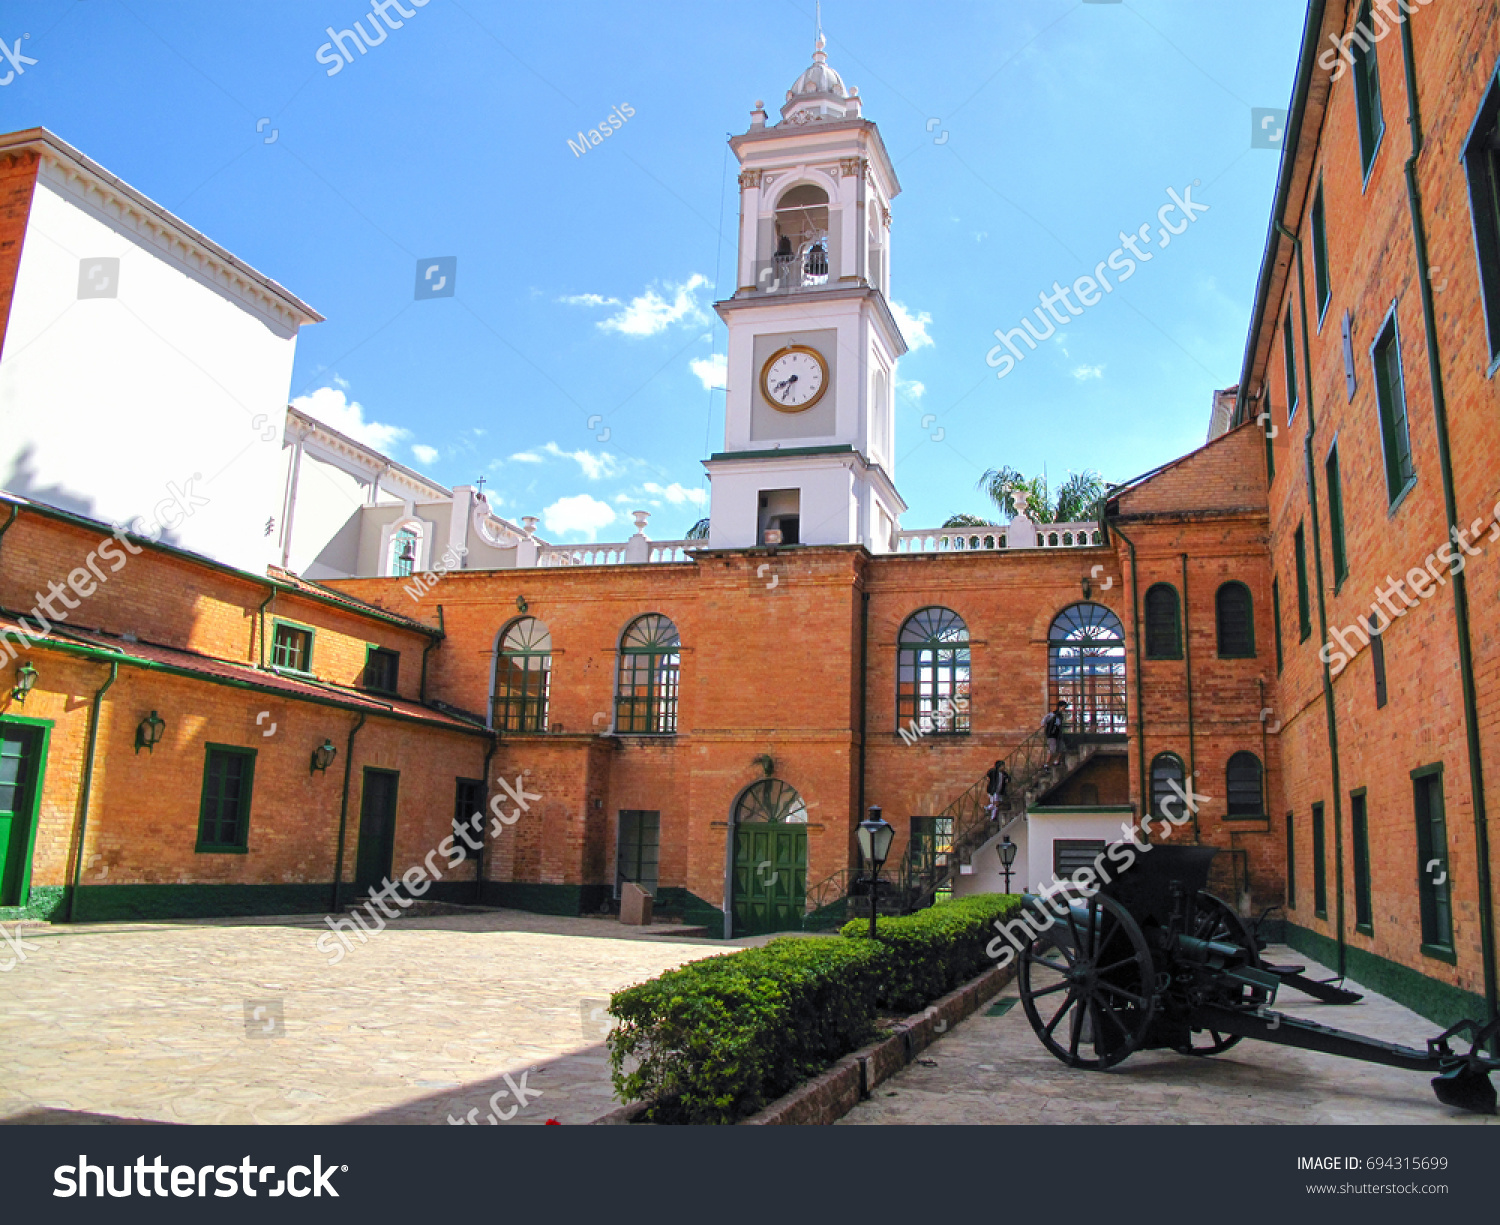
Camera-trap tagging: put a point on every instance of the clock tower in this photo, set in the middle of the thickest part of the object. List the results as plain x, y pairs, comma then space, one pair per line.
809, 415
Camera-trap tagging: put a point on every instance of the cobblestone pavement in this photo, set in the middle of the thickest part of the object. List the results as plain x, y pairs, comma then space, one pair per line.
157, 1022
993, 1069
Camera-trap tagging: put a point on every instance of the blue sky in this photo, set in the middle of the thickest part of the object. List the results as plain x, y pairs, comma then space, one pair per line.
573, 366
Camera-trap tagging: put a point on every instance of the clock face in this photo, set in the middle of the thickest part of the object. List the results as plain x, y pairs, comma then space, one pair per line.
794, 378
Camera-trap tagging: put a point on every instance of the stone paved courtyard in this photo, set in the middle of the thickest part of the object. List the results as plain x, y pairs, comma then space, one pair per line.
149, 1021
993, 1069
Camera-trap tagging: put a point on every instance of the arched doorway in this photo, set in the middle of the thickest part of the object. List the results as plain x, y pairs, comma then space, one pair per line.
1086, 669
768, 877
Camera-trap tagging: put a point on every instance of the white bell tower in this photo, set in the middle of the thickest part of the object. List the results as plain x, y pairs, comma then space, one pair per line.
809, 415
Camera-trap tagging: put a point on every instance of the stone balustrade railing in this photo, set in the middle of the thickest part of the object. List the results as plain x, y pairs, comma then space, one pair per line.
1017, 534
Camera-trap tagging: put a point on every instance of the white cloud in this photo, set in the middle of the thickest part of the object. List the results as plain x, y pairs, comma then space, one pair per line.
712, 371
1084, 373
333, 408
914, 388
579, 513
676, 494
425, 455
913, 326
526, 457
652, 311
592, 465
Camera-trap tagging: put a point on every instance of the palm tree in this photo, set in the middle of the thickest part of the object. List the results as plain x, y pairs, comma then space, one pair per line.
699, 531
968, 521
1078, 500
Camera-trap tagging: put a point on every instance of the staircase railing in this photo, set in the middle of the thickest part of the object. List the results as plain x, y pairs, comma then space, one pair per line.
927, 866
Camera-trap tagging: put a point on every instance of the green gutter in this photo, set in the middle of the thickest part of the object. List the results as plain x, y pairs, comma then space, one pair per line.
148, 665
1450, 505
1329, 708
1291, 136
338, 861
427, 650
88, 782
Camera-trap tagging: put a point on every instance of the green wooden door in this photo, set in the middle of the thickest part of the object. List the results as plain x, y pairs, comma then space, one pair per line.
377, 829
20, 776
770, 877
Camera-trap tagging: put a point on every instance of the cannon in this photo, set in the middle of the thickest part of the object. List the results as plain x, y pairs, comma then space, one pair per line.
1149, 960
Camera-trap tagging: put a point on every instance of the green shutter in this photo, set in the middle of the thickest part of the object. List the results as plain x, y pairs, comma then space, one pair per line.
1336, 518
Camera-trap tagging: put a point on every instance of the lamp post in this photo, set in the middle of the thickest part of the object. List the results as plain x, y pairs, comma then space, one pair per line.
875, 835
1007, 850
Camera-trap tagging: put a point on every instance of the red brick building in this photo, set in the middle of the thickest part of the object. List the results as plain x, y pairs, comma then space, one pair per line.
714, 724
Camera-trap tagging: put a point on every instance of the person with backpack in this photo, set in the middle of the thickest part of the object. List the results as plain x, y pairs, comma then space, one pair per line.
1052, 729
997, 780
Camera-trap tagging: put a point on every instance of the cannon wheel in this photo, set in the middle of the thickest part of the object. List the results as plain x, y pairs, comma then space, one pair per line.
1109, 981
1216, 919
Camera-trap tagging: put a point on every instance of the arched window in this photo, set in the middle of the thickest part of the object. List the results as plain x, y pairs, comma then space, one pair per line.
770, 801
406, 548
1166, 770
1236, 619
932, 673
1086, 650
1163, 622
650, 664
523, 671
1242, 779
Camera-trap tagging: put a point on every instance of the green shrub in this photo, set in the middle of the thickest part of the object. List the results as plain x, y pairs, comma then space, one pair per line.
718, 1039
935, 951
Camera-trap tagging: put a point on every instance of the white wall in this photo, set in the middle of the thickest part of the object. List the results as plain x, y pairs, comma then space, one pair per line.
107, 403
1034, 837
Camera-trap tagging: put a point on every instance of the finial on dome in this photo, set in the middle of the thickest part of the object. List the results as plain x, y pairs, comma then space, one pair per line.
819, 42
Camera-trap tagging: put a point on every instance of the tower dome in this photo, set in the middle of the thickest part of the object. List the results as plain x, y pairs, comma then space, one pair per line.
819, 93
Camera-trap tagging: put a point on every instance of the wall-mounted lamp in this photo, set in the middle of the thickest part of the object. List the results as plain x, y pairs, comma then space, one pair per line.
1088, 587
767, 764
148, 733
25, 682
322, 756
521, 605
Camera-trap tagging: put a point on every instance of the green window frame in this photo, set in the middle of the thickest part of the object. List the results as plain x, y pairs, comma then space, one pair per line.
405, 543
1359, 828
1377, 658
224, 807
382, 672
1367, 107
468, 799
1304, 602
1320, 863
1481, 159
1291, 862
1234, 616
1320, 256
1167, 768
650, 668
1289, 358
1268, 427
1340, 550
1276, 619
1244, 786
1163, 622
523, 676
292, 647
638, 850
932, 673
1390, 401
1434, 875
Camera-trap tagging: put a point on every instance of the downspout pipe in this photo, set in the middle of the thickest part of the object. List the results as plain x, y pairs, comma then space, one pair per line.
864, 690
1450, 506
484, 842
338, 863
426, 651
88, 785
15, 513
1187, 664
1329, 708
1140, 708
260, 614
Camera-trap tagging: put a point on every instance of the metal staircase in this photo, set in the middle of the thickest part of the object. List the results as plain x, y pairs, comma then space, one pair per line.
929, 867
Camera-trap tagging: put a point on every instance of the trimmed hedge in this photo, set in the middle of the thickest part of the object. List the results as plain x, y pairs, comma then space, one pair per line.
718, 1039
935, 951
